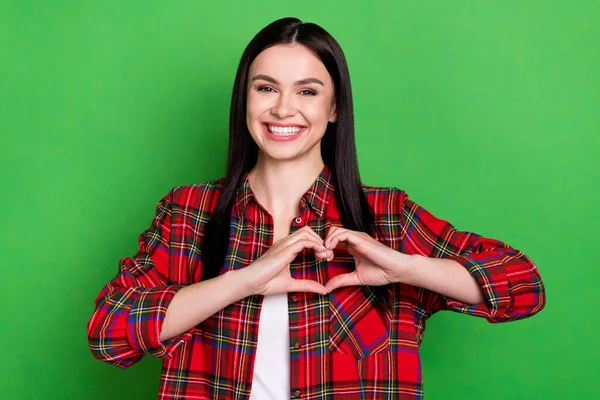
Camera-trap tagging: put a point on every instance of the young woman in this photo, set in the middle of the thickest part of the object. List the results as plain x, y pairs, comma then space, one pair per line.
289, 277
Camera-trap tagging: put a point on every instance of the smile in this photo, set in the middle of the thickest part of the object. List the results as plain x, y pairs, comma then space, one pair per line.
284, 130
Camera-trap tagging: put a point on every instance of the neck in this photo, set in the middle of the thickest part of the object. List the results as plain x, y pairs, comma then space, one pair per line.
279, 185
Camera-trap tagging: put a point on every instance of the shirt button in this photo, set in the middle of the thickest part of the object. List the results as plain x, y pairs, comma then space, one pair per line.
297, 345
298, 220
297, 393
294, 297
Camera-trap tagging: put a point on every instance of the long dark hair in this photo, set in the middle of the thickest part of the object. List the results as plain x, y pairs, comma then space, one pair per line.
338, 147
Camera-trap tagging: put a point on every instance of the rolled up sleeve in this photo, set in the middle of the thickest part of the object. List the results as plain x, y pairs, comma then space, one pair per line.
509, 281
131, 308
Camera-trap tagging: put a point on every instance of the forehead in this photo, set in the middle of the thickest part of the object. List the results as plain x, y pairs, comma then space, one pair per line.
289, 63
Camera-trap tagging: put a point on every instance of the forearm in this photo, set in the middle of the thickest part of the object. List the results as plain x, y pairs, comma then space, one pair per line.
443, 276
195, 303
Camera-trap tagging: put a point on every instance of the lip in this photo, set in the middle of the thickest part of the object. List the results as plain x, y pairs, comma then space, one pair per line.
284, 125
278, 138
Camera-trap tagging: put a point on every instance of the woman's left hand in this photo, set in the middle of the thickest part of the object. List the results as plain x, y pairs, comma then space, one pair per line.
375, 263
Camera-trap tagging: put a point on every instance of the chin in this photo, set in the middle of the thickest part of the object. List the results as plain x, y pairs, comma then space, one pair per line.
282, 155
312, 154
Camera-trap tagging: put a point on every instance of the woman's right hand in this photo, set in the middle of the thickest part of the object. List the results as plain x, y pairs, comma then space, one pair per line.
270, 273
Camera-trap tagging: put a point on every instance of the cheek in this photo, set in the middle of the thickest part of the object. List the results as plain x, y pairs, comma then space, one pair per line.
250, 105
318, 112
255, 106
250, 115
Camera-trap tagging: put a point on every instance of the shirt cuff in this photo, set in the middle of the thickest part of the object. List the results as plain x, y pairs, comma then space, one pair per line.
490, 274
146, 317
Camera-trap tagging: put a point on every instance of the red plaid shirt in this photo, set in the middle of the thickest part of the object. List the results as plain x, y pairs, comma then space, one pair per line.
355, 343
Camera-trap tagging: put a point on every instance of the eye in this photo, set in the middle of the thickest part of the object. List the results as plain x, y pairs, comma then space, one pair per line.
308, 92
266, 89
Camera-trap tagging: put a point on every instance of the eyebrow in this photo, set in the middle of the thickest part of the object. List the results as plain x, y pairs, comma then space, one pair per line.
298, 83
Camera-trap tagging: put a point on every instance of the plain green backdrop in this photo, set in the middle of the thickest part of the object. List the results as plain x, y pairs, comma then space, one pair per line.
486, 112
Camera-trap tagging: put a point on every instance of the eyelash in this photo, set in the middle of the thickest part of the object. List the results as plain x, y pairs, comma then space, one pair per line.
309, 92
268, 89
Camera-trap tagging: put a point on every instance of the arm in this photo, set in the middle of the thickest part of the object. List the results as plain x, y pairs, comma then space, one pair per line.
195, 303
131, 308
267, 275
444, 276
508, 282
139, 312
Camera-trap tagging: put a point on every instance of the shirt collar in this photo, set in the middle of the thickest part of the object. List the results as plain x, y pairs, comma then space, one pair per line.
317, 197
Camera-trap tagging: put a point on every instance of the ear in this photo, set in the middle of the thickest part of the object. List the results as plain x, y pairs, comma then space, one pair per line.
333, 116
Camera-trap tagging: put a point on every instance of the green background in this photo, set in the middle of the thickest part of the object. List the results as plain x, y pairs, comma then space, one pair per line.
486, 112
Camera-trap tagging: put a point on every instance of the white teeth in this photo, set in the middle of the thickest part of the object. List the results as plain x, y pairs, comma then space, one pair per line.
284, 131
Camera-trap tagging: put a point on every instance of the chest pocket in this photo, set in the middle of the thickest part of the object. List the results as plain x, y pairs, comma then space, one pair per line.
360, 320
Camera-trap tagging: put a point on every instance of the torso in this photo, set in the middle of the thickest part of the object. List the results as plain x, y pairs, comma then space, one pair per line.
271, 378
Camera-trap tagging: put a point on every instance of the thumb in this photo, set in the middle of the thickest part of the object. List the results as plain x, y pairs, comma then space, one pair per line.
306, 285
342, 280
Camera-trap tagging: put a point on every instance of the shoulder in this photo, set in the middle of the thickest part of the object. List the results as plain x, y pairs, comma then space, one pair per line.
386, 203
201, 196
380, 196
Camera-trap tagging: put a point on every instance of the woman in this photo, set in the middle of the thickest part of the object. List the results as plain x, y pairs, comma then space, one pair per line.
289, 277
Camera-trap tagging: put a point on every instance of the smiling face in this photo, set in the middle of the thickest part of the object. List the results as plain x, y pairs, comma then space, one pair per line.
290, 101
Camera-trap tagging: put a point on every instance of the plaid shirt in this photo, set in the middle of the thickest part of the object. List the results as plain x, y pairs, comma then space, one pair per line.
355, 343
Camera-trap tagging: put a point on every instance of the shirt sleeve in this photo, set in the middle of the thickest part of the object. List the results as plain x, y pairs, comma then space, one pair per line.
509, 280
131, 308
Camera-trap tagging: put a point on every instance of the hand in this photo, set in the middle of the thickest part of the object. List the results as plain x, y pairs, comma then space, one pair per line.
375, 263
270, 273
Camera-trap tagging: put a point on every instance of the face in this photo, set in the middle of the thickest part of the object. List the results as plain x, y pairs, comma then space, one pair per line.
290, 101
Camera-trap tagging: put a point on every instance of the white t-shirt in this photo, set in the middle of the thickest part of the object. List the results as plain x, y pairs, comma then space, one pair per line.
271, 380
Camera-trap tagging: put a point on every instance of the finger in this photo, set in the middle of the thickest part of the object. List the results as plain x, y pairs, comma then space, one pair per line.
305, 285
342, 236
324, 255
342, 280
307, 230
332, 232
303, 233
302, 244
306, 236
310, 231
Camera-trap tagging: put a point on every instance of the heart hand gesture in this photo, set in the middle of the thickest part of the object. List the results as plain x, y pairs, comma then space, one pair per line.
375, 263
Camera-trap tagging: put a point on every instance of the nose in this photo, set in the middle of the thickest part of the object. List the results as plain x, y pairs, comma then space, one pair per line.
284, 106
